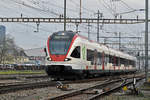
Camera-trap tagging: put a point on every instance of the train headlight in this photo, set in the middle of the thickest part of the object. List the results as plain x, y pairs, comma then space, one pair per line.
49, 59
67, 59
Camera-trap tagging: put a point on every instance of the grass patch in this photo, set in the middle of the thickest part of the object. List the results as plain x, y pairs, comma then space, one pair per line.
7, 72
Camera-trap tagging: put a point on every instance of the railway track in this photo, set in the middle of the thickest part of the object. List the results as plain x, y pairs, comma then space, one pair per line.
13, 80
111, 90
24, 86
13, 77
6, 88
96, 91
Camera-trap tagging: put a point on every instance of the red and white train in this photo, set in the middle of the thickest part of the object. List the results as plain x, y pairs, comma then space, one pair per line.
72, 55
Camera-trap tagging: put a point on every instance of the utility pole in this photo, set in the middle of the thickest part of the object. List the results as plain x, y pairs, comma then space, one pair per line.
146, 40
139, 60
139, 54
80, 8
77, 27
64, 15
37, 29
99, 15
119, 40
89, 30
98, 26
105, 39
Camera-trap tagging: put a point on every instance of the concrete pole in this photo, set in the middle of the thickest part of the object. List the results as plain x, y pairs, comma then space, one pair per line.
64, 15
146, 40
77, 27
98, 26
89, 30
80, 8
119, 40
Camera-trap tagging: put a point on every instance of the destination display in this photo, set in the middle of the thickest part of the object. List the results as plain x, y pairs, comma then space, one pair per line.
61, 37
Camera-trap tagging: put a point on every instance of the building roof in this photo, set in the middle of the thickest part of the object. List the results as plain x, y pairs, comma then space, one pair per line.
36, 52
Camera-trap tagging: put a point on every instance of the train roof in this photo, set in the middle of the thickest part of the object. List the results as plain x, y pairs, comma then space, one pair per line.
70, 33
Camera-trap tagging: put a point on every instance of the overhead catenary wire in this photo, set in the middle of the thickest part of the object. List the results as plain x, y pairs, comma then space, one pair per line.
111, 6
89, 10
105, 6
127, 5
35, 8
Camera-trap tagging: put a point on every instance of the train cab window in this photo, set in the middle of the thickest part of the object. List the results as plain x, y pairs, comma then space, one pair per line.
76, 52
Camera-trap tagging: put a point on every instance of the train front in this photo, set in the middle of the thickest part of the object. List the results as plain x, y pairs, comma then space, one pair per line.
59, 61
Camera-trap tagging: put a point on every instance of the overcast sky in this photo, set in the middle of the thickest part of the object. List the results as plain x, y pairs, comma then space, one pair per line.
24, 33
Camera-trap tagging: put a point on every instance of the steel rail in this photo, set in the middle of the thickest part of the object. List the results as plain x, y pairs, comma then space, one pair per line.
81, 91
7, 77
24, 86
6, 88
97, 97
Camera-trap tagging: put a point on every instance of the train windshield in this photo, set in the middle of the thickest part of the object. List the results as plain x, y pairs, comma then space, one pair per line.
59, 47
59, 42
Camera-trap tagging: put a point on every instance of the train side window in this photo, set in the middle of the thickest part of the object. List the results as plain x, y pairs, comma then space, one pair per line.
111, 59
122, 60
132, 63
117, 61
106, 58
99, 60
76, 52
126, 62
90, 56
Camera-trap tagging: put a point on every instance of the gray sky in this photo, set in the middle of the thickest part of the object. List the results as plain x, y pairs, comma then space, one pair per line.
24, 33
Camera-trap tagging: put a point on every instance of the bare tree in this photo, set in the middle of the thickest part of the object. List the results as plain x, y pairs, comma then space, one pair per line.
8, 48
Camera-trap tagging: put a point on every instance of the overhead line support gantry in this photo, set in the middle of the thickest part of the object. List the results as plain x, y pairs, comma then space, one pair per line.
72, 20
